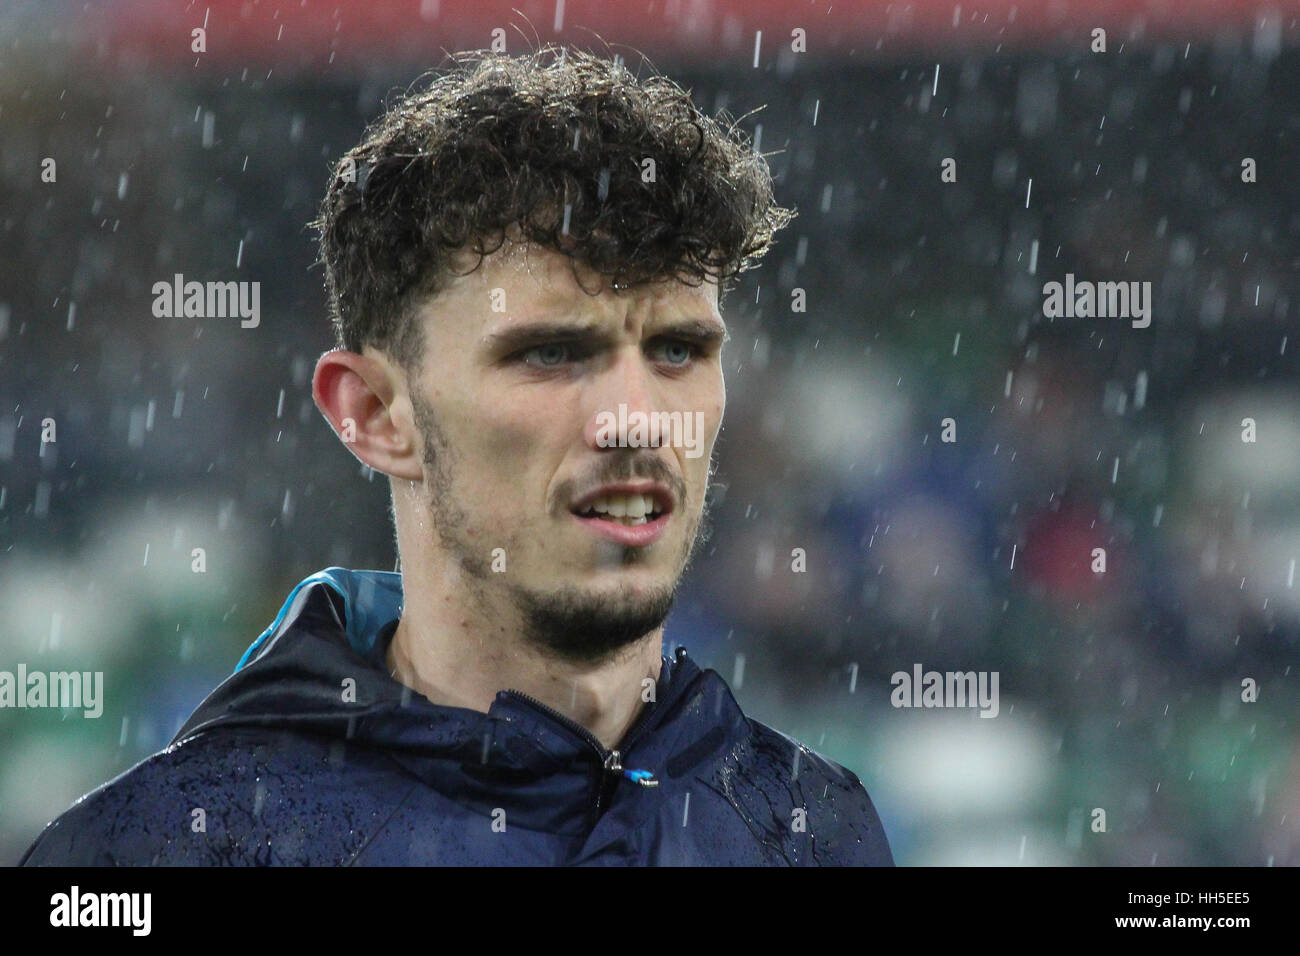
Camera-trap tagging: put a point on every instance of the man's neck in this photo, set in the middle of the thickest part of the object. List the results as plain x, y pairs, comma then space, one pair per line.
460, 659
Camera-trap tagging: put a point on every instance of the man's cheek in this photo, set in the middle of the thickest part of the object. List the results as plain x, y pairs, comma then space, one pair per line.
508, 450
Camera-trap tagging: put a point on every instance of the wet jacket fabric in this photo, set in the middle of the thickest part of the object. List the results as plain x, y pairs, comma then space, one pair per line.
310, 753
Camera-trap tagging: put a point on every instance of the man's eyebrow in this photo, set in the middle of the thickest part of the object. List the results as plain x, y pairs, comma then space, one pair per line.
699, 330
537, 333
519, 337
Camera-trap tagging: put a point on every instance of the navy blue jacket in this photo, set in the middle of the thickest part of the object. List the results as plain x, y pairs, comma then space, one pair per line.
311, 754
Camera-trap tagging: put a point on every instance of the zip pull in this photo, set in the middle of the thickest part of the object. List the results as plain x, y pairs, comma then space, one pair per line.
613, 764
643, 777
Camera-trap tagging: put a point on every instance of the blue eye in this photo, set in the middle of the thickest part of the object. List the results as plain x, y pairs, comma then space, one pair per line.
552, 354
684, 352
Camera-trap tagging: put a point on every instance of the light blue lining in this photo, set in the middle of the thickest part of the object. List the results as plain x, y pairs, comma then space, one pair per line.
371, 599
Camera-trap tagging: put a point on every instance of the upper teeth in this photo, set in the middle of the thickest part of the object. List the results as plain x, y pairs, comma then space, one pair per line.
619, 506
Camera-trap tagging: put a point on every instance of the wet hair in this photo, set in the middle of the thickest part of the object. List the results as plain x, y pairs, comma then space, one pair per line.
557, 147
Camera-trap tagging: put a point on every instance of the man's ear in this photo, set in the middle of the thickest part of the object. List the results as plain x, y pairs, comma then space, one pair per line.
364, 399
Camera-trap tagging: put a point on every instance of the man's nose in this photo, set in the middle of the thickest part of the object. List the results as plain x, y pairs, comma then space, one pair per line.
626, 395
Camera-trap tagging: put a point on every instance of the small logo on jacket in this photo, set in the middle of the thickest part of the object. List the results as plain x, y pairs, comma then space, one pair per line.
102, 909
947, 689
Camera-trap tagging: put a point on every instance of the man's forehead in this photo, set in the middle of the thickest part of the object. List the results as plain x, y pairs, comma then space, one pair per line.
650, 300
550, 277
521, 280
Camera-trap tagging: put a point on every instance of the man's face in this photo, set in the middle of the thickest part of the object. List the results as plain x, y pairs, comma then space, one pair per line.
525, 445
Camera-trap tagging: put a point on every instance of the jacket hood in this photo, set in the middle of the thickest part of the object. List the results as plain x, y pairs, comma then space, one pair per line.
310, 753
320, 669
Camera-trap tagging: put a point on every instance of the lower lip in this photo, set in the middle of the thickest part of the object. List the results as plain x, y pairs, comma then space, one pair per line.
630, 535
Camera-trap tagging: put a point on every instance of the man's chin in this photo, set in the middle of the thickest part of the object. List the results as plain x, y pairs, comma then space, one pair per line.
591, 623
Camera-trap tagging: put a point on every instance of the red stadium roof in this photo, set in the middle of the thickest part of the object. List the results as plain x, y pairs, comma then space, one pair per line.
316, 34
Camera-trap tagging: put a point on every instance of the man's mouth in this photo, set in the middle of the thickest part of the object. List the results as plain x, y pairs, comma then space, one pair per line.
623, 509
631, 514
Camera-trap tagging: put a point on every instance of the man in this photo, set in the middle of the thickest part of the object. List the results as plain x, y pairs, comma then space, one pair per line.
524, 265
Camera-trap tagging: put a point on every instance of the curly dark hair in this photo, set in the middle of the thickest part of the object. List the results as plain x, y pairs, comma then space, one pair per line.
556, 146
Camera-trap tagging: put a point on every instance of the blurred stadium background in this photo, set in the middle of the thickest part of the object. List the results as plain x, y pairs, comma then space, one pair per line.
1119, 691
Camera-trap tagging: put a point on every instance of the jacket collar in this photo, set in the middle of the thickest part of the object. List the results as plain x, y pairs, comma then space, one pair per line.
320, 668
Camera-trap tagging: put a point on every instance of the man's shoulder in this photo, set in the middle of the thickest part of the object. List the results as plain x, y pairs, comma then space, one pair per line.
244, 796
836, 809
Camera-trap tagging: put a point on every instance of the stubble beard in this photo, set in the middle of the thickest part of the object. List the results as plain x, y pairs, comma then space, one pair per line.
569, 623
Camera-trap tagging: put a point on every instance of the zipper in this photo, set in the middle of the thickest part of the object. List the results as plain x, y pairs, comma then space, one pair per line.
611, 761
